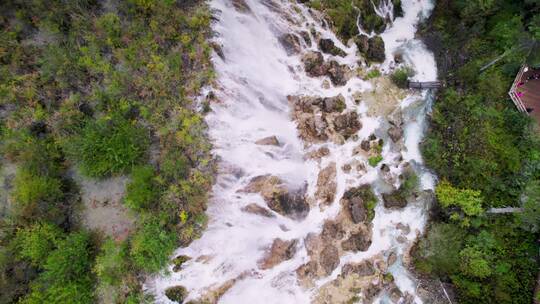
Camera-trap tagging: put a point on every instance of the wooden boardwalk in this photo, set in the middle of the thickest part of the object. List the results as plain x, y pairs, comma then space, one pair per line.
424, 85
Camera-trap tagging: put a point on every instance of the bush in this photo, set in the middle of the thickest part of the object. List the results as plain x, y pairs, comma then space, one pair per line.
373, 74
109, 146
36, 243
111, 263
400, 77
142, 190
151, 246
438, 252
37, 197
374, 160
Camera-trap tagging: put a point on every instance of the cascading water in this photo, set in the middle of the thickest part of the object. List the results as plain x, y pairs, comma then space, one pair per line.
255, 81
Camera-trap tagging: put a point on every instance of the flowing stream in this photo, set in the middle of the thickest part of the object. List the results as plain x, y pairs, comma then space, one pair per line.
255, 79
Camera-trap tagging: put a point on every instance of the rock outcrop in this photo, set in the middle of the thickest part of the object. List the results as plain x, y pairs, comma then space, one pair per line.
326, 184
327, 46
258, 210
278, 197
291, 43
268, 141
279, 251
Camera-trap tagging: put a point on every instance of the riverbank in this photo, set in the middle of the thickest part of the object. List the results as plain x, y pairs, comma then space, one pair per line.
484, 152
105, 155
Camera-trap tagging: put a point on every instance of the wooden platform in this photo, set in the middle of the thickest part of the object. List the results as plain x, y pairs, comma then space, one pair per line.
525, 92
424, 85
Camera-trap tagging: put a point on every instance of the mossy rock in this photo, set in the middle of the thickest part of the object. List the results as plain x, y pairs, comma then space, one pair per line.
179, 261
176, 293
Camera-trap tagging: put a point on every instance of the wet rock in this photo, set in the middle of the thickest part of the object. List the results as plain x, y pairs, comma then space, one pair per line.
312, 128
405, 229
395, 133
307, 271
394, 200
241, 6
314, 64
304, 104
333, 104
280, 251
326, 184
305, 36
358, 210
362, 43
218, 49
359, 241
268, 141
347, 124
395, 294
337, 73
361, 269
355, 201
291, 43
392, 258
365, 145
398, 58
376, 49
179, 261
278, 197
327, 46
319, 153
332, 230
346, 168
176, 293
258, 210
371, 292
329, 258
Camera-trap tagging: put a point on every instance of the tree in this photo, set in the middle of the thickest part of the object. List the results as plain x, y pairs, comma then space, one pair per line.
473, 263
530, 217
467, 200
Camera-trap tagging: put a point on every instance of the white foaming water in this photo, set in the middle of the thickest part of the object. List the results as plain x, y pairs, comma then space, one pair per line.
253, 83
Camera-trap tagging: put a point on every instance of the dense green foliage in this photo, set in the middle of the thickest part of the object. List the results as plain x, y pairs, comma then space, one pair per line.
485, 152
344, 15
99, 89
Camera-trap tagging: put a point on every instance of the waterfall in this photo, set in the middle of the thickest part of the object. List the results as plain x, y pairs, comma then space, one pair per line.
255, 82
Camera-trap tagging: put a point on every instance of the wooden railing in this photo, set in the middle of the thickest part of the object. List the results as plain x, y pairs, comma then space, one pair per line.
512, 93
424, 85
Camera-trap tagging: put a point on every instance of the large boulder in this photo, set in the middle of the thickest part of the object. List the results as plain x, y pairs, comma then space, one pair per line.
258, 210
359, 201
329, 259
291, 43
376, 49
314, 64
280, 198
279, 251
394, 199
362, 269
333, 104
176, 293
327, 46
347, 124
268, 141
359, 241
241, 6
395, 133
362, 43
332, 230
179, 261
326, 184
337, 73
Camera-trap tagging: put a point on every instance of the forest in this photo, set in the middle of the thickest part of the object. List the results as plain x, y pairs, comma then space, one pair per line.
99, 89
485, 152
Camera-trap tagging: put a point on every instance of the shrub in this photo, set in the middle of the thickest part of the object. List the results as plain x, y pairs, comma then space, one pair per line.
111, 263
400, 77
374, 160
142, 190
151, 246
373, 74
108, 146
36, 242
